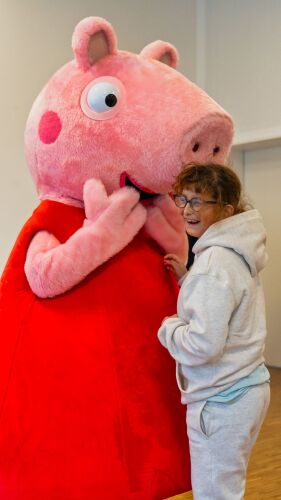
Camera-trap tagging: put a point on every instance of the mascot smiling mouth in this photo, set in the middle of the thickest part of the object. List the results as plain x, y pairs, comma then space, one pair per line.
145, 193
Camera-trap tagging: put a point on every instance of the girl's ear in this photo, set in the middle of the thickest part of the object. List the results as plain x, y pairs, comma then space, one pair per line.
228, 210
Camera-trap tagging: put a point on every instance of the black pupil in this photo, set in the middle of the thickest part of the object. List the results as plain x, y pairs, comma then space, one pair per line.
110, 100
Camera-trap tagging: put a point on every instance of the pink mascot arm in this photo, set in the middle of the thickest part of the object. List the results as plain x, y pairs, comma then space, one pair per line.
111, 223
166, 226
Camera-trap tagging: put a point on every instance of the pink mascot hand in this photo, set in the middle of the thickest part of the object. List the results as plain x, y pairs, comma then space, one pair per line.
165, 225
111, 223
120, 213
96, 200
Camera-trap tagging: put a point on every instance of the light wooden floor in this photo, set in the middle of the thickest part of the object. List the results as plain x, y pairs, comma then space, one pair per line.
264, 472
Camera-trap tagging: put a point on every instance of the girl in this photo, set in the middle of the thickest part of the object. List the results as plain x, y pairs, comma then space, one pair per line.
217, 337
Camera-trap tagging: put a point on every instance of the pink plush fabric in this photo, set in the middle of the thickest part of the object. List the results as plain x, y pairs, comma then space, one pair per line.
93, 32
161, 117
166, 226
112, 222
161, 51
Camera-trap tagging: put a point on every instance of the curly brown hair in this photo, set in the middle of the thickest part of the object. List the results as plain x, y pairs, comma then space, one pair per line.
220, 181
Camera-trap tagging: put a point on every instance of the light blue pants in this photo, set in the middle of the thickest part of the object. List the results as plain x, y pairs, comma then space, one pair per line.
221, 437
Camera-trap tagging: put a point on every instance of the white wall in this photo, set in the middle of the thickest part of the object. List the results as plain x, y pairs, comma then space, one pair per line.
35, 42
241, 62
262, 175
240, 67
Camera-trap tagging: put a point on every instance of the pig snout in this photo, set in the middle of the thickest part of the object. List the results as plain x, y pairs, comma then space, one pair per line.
208, 142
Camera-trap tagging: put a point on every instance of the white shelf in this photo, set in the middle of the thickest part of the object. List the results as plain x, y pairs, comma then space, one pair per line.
257, 139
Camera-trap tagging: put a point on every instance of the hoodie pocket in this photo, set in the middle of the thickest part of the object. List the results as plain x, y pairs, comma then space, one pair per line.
181, 379
195, 418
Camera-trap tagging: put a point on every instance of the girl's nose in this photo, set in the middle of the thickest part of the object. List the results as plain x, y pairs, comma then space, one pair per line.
187, 209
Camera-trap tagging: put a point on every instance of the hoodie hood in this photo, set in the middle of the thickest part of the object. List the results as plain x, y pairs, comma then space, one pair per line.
243, 233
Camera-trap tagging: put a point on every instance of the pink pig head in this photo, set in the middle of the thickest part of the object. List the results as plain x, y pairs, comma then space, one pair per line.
123, 118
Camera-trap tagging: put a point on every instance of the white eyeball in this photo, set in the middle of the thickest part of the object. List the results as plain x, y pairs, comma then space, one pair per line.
102, 98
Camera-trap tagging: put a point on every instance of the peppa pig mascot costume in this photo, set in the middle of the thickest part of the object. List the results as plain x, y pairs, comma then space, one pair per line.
89, 407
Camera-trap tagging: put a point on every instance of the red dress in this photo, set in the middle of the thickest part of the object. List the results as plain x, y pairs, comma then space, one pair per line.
89, 407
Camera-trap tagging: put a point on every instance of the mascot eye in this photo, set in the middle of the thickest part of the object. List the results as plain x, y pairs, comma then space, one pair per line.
102, 98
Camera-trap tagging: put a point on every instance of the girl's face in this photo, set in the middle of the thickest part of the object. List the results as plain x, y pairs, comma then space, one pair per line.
203, 213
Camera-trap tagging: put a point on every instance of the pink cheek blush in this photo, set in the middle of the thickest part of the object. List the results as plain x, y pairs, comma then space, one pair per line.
49, 127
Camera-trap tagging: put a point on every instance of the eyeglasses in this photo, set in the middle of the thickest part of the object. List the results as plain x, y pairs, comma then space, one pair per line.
195, 203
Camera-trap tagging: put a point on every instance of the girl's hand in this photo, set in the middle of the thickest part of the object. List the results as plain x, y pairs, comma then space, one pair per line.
173, 263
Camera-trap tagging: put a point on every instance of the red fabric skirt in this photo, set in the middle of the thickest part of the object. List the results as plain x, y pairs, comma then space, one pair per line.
89, 407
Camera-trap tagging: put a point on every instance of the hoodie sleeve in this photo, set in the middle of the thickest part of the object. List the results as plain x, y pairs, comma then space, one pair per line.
199, 335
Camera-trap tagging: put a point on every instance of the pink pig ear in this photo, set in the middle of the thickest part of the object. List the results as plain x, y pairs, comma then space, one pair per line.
93, 38
161, 51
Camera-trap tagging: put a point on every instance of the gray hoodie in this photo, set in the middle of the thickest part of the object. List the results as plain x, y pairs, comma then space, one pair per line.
219, 334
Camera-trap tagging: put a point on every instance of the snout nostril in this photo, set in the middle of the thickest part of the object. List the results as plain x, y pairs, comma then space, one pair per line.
216, 150
196, 147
